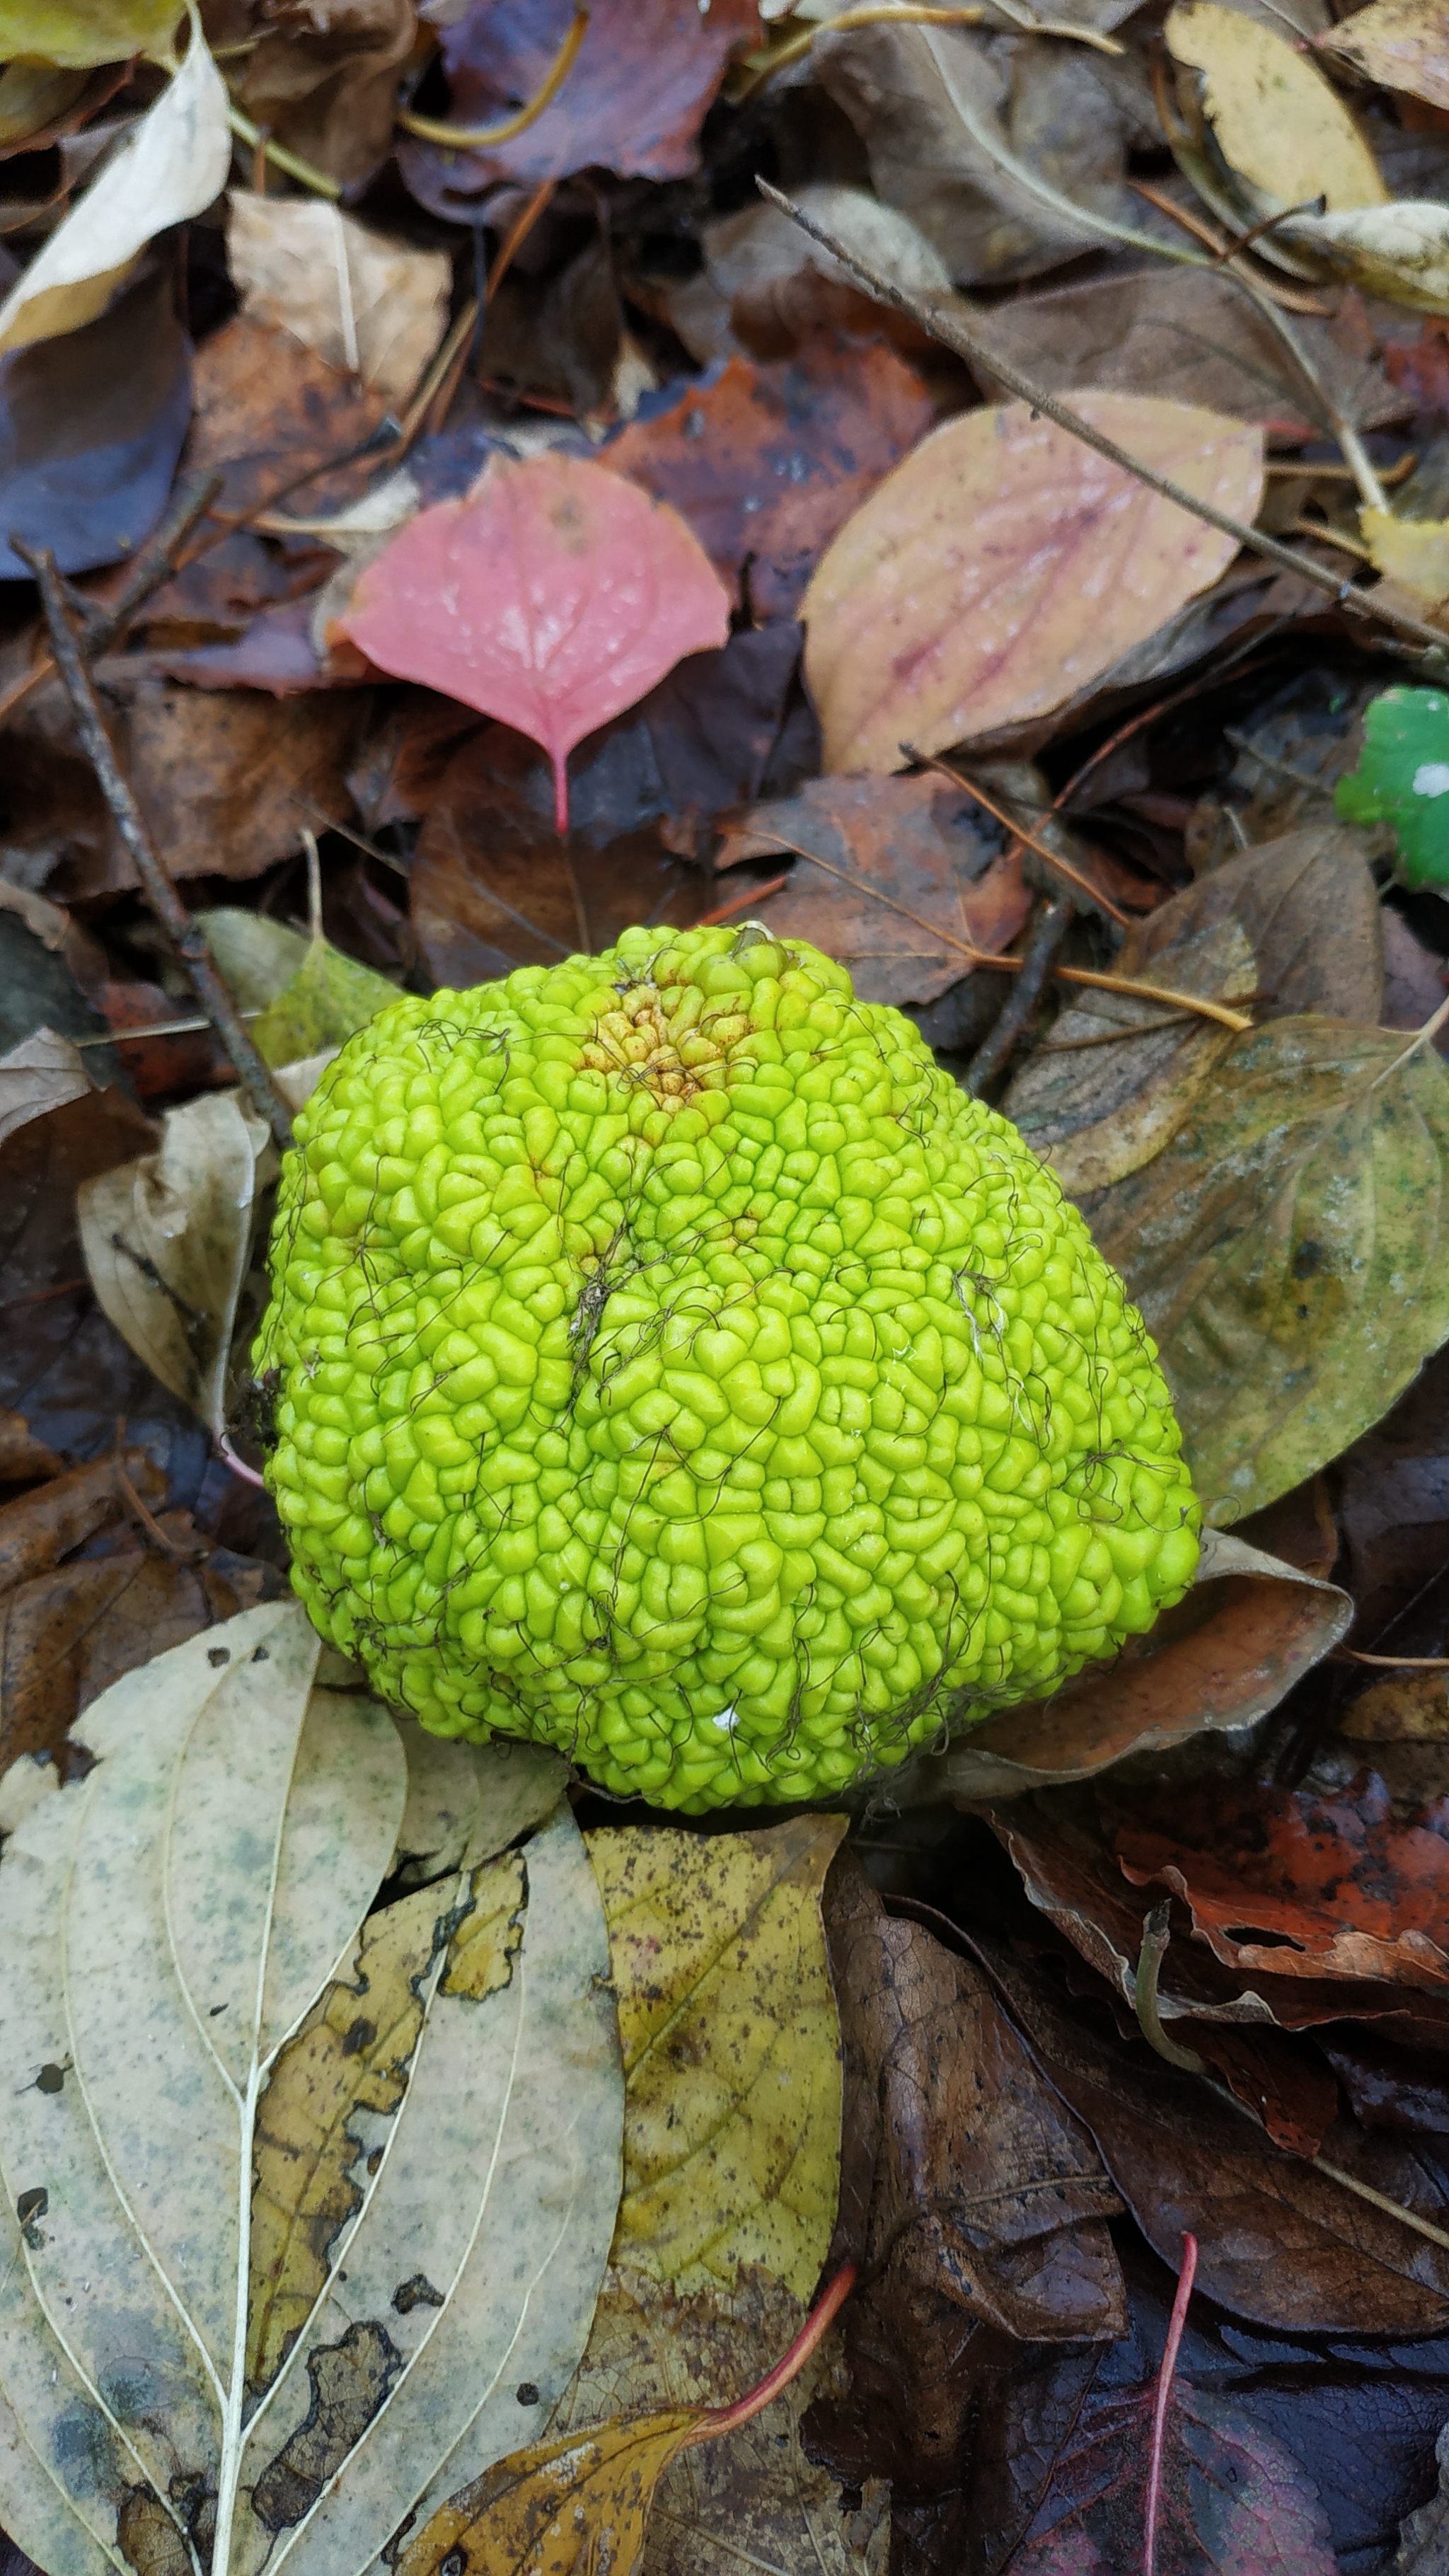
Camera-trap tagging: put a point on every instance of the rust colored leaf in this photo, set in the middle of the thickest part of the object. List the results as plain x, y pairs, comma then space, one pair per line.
38, 1529
766, 463
916, 840
553, 597
633, 101
265, 407
1004, 565
1232, 1649
977, 2207
1335, 1886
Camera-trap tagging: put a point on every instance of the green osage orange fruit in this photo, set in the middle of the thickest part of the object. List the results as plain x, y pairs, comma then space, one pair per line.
674, 1366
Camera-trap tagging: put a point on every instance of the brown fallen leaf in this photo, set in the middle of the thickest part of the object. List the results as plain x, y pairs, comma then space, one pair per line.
1004, 564
325, 83
920, 842
375, 309
582, 2502
1280, 2243
766, 463
1232, 1649
265, 407
38, 1529
1402, 43
977, 2209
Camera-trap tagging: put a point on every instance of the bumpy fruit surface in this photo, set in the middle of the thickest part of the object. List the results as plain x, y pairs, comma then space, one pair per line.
673, 1365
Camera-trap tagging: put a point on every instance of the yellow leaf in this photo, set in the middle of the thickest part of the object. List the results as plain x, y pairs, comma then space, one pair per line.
1002, 565
1403, 43
578, 2504
731, 2050
353, 2054
1277, 122
1413, 552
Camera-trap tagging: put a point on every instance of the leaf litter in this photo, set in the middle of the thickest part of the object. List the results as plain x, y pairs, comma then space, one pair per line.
1160, 1957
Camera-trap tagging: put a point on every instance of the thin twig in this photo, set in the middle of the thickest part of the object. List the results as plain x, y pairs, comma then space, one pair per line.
481, 138
1054, 919
1399, 1663
1156, 1933
188, 940
953, 334
1221, 246
1171, 2343
1237, 1021
1064, 867
434, 396
1322, 534
741, 902
155, 564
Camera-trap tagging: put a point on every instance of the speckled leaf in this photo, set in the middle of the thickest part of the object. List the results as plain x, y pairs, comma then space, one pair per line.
184, 1925
731, 2050
306, 993
1287, 1252
1002, 565
167, 1240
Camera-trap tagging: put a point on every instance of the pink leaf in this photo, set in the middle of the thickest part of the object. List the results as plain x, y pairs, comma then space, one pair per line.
553, 597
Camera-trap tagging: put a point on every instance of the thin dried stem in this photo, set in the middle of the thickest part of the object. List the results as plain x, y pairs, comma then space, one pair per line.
1237, 1021
259, 140
1063, 867
1170, 2347
952, 332
480, 138
727, 2419
1054, 919
188, 940
1398, 1663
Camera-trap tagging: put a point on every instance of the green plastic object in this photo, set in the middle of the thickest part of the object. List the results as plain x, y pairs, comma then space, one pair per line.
1403, 778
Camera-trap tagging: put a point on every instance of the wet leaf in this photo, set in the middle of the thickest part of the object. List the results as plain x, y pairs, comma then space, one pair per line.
1402, 778
78, 34
168, 1241
1248, 1630
1298, 1885
308, 994
766, 463
1279, 124
185, 1968
374, 308
1399, 251
1279, 2243
169, 168
731, 2050
916, 840
981, 2221
1412, 552
1004, 564
326, 84
1402, 43
554, 597
1282, 1250
1295, 921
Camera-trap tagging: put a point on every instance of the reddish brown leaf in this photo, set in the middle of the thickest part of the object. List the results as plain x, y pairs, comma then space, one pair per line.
633, 101
38, 1529
1340, 1886
553, 597
766, 463
916, 840
266, 408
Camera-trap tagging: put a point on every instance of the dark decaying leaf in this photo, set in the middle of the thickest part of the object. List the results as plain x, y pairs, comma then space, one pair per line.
976, 2208
91, 425
267, 408
324, 83
766, 462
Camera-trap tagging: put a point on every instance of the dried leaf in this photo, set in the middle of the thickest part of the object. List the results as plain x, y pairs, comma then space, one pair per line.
169, 168
766, 463
372, 307
1403, 43
915, 840
1248, 1630
752, 2492
1424, 2539
574, 2503
167, 1242
1399, 251
325, 82
1283, 1250
731, 2051
1279, 124
1295, 919
554, 597
177, 1920
1004, 564
1413, 552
